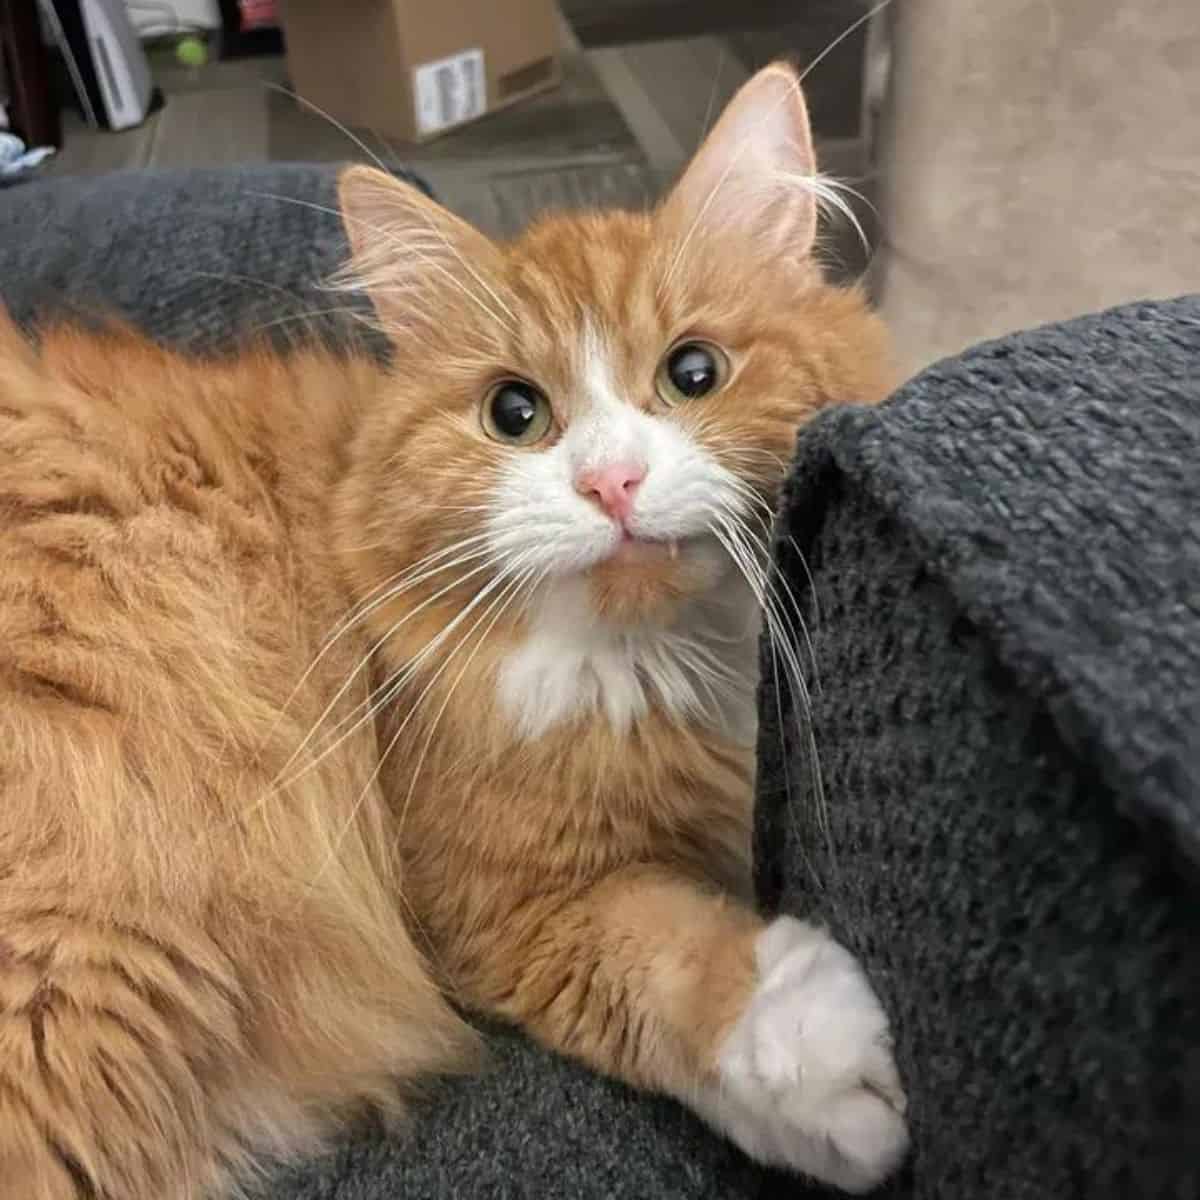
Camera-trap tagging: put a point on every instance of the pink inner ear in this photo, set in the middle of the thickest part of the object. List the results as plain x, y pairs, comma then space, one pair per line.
749, 177
411, 255
771, 121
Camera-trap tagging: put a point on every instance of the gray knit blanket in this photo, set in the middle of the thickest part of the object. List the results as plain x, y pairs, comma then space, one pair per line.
1005, 618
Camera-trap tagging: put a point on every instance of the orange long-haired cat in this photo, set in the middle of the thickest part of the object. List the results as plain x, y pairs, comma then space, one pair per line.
333, 694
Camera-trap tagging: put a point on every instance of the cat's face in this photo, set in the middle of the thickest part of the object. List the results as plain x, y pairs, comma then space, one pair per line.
603, 408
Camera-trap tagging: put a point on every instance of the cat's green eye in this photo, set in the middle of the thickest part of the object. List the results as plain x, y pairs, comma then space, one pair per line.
690, 370
516, 412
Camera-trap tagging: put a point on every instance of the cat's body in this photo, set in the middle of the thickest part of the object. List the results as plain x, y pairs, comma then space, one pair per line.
185, 952
323, 697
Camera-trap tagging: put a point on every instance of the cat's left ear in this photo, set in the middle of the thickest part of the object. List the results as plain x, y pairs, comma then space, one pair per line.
752, 181
407, 252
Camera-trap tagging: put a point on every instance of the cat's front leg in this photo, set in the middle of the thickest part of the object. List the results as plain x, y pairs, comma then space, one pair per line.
805, 1077
771, 1032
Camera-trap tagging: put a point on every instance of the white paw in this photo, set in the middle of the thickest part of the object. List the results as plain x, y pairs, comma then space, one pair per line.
807, 1079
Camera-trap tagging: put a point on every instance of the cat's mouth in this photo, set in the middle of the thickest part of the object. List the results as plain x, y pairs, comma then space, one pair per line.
646, 579
633, 549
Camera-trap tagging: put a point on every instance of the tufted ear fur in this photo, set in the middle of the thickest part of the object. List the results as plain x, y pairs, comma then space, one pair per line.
754, 180
407, 252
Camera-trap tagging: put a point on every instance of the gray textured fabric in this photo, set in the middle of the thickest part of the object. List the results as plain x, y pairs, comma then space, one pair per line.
196, 258
1007, 563
534, 1126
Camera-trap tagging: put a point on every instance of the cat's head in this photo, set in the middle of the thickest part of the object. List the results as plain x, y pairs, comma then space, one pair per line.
604, 406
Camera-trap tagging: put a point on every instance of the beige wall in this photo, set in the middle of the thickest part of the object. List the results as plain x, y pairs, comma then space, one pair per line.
1040, 158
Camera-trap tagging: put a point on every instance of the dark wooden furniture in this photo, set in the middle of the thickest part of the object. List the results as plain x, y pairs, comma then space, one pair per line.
32, 112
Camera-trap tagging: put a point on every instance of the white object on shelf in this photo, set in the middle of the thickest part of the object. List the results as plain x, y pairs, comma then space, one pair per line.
120, 62
104, 58
166, 16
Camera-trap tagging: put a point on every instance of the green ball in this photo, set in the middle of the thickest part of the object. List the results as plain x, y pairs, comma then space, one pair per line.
191, 52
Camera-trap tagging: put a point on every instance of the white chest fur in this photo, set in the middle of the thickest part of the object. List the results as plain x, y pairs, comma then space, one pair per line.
704, 667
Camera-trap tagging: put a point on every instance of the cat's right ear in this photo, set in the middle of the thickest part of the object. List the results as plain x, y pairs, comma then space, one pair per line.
754, 181
407, 252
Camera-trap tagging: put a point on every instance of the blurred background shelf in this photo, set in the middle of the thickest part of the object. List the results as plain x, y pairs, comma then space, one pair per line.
641, 80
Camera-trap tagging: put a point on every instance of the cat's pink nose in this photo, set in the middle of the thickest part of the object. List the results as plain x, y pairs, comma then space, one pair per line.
613, 487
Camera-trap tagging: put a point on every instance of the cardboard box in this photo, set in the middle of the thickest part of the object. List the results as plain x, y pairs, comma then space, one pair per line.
414, 68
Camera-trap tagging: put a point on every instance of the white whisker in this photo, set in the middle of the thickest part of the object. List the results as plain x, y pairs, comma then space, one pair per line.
773, 581
348, 280
398, 583
320, 112
504, 600
776, 630
828, 193
433, 563
311, 314
849, 31
363, 664
392, 741
249, 281
351, 278
812, 586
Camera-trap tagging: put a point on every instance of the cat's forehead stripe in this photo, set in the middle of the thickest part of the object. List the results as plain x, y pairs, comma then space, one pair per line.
607, 279
596, 368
